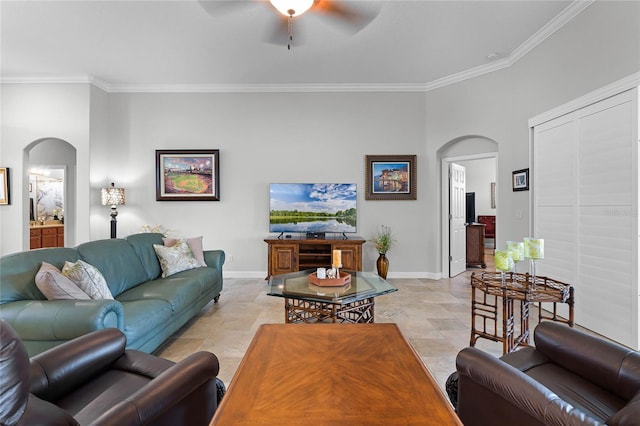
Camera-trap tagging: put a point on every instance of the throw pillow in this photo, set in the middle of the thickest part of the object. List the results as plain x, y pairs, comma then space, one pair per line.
175, 259
56, 286
195, 244
88, 278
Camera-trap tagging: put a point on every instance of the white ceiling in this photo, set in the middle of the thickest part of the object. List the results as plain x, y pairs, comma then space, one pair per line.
199, 45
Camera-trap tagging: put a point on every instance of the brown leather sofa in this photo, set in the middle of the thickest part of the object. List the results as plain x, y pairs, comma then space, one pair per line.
94, 380
569, 378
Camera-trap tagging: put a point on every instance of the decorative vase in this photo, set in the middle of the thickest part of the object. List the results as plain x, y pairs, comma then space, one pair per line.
383, 265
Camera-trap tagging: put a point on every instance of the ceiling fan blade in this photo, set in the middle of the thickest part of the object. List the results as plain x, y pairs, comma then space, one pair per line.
355, 19
221, 7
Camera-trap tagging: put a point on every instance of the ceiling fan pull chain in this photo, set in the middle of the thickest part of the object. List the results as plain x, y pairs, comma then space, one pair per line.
290, 29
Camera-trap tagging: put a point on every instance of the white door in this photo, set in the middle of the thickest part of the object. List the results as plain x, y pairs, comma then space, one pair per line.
457, 217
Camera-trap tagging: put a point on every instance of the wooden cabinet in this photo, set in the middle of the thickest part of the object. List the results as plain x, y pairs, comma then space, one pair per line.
297, 254
475, 245
46, 236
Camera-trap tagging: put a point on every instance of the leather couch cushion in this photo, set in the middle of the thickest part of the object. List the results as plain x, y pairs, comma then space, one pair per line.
19, 269
582, 394
143, 246
180, 290
118, 262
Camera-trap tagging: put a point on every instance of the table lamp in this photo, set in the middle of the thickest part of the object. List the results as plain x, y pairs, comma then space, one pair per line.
112, 196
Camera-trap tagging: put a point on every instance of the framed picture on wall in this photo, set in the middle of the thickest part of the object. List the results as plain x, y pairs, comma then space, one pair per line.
188, 175
4, 186
520, 180
390, 177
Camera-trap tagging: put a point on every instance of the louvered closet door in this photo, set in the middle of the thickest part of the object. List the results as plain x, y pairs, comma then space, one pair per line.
585, 185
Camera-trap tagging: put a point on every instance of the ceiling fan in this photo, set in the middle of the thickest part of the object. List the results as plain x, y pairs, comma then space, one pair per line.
349, 17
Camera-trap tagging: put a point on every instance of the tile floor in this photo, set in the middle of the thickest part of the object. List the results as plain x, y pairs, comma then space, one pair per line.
435, 315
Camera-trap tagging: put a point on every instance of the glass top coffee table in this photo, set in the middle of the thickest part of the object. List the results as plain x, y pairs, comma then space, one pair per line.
306, 303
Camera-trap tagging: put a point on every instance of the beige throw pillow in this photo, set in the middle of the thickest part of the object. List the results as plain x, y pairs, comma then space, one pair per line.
88, 278
175, 259
195, 244
56, 286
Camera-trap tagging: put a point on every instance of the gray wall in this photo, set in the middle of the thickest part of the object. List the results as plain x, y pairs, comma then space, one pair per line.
290, 137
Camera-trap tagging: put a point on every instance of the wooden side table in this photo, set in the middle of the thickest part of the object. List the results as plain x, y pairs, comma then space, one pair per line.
488, 293
475, 245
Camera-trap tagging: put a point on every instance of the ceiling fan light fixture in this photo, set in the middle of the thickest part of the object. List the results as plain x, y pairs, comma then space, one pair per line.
292, 7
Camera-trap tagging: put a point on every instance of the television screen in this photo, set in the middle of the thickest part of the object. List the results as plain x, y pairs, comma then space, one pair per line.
471, 207
312, 207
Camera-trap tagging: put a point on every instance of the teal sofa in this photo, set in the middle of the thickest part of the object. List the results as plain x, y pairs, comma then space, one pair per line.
147, 308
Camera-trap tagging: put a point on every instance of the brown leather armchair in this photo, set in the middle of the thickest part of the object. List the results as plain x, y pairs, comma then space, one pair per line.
569, 378
94, 380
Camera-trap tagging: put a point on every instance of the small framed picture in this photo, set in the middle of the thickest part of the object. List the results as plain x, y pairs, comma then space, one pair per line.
188, 175
390, 177
520, 180
4, 186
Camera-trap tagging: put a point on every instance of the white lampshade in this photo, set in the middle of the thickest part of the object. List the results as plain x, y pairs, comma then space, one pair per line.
292, 7
112, 196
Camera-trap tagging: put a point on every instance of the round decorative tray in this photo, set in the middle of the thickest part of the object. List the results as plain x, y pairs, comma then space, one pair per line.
345, 278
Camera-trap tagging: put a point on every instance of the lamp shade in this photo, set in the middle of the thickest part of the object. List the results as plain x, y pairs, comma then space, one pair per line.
112, 196
292, 7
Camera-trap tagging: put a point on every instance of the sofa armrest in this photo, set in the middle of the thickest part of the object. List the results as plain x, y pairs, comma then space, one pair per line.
57, 371
214, 258
158, 398
490, 389
61, 319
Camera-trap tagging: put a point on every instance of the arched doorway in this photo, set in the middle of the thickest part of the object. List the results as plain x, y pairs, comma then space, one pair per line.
54, 160
464, 149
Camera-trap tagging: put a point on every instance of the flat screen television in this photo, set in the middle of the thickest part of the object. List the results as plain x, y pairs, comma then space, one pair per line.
313, 208
471, 207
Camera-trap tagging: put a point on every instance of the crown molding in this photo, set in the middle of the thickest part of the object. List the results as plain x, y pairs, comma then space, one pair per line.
570, 12
559, 21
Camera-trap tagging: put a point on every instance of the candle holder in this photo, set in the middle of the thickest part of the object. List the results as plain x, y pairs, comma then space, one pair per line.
504, 263
534, 251
516, 248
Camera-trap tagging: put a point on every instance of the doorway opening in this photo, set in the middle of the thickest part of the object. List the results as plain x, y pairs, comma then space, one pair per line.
50, 196
469, 152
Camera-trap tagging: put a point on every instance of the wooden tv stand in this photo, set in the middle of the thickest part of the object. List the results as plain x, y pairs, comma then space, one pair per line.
299, 253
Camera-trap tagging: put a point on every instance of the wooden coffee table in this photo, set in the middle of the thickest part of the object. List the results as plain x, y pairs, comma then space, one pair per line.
333, 374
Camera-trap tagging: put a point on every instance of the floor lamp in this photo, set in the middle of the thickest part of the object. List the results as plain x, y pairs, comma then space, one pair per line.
113, 197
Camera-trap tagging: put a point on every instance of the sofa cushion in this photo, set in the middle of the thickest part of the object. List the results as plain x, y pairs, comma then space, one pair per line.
144, 318
118, 262
178, 291
176, 258
88, 278
56, 286
18, 271
590, 398
143, 245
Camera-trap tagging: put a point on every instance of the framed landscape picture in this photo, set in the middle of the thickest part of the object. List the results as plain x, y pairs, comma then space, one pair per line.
4, 186
188, 175
520, 180
390, 177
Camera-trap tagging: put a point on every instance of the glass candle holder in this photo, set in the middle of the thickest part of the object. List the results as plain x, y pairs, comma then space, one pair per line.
504, 263
516, 248
534, 251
